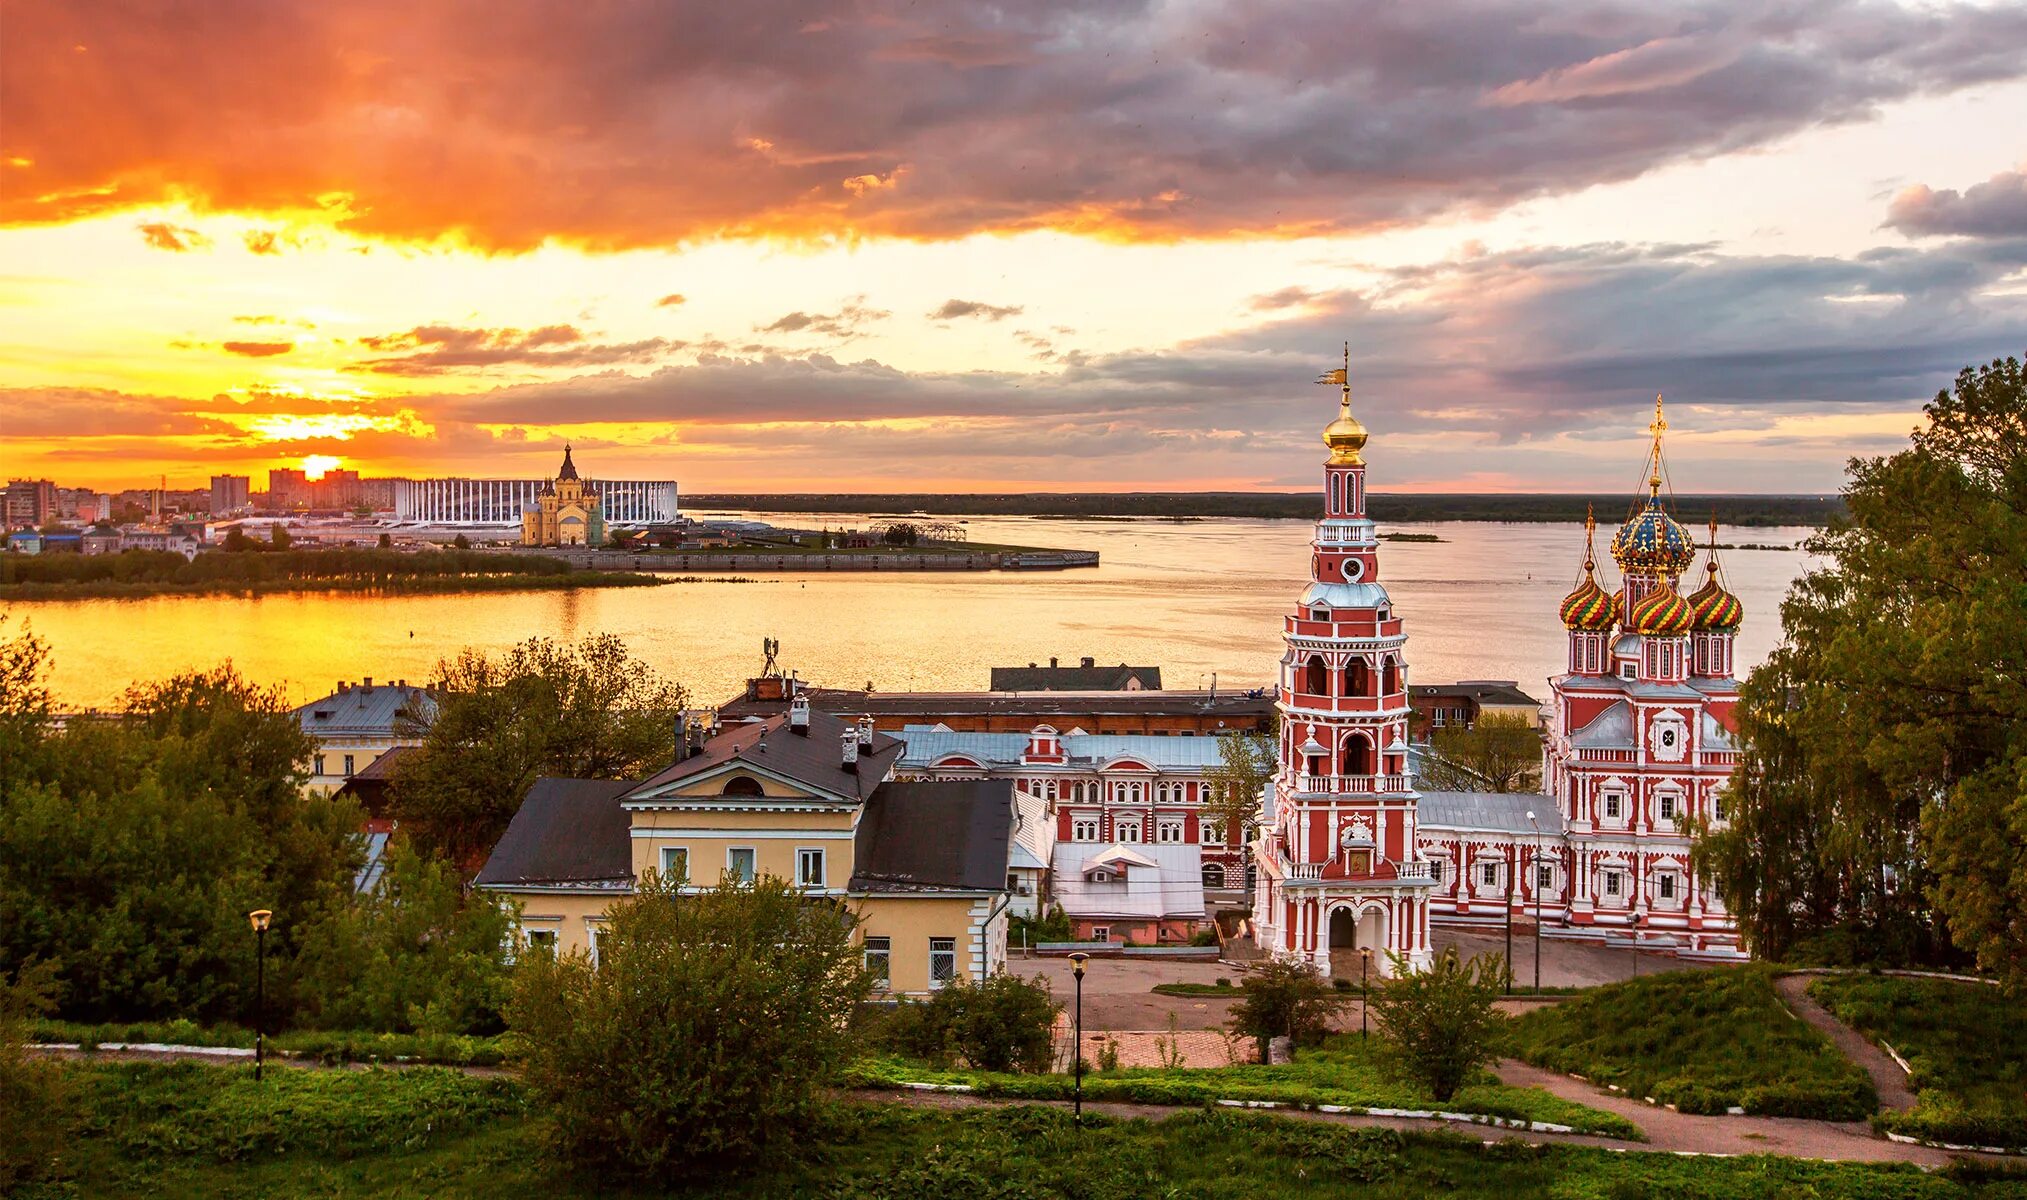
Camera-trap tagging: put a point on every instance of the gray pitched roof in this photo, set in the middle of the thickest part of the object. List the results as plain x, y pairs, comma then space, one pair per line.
814, 760
1611, 729
924, 836
1489, 812
927, 744
1484, 691
1075, 679
568, 831
361, 708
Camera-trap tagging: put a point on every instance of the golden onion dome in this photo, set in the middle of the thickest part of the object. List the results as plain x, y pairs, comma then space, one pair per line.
1714, 608
1652, 542
1589, 607
1661, 613
1345, 436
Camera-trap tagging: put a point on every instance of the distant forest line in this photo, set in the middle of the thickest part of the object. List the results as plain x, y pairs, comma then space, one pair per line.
1730, 510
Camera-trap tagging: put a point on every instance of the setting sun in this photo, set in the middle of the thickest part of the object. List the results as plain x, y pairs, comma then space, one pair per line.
315, 465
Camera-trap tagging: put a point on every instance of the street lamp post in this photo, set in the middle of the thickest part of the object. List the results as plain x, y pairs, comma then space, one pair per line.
1364, 994
1511, 869
1537, 899
1077, 962
259, 917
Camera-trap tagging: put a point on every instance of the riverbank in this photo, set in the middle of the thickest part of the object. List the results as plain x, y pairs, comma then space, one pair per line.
771, 558
1304, 505
148, 573
424, 586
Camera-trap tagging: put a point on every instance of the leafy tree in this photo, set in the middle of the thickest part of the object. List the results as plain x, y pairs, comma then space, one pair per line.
386, 541
706, 1033
1052, 926
1881, 801
1245, 767
279, 536
132, 846
32, 1097
589, 711
1285, 997
1004, 1024
461, 542
1501, 752
901, 535
1438, 1026
419, 954
236, 542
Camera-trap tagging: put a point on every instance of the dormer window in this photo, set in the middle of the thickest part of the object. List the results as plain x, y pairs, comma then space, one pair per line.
1321, 614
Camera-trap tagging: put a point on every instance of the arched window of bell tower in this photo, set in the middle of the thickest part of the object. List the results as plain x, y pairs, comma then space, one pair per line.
1316, 677
1358, 678
1357, 757
1390, 676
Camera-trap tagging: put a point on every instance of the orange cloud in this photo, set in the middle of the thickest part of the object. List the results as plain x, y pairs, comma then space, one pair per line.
257, 349
505, 127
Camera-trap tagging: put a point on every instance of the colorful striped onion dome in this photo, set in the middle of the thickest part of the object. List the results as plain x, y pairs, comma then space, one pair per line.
1714, 609
1590, 606
1652, 542
1661, 613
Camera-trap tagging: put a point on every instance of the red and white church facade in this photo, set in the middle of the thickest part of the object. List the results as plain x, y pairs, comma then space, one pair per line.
1351, 857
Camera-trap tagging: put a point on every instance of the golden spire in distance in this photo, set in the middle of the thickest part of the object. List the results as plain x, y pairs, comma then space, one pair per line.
1345, 436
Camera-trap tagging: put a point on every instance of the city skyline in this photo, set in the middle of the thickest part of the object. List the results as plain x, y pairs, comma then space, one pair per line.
997, 250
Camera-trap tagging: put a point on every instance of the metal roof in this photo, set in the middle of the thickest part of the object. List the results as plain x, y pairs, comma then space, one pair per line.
1075, 679
952, 834
1489, 812
1174, 889
926, 744
814, 760
1611, 729
363, 708
566, 831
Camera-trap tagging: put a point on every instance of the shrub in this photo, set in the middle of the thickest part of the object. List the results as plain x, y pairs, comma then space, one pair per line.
706, 1033
1284, 997
1054, 926
1204, 937
1004, 1024
1438, 1025
31, 1091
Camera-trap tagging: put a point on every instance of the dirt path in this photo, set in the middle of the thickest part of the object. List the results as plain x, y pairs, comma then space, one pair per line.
1666, 1129
1886, 1074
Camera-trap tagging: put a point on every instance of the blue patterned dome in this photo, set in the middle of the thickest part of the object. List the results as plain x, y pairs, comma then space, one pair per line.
1653, 542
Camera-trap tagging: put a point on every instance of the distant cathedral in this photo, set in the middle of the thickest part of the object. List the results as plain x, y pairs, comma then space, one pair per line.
567, 512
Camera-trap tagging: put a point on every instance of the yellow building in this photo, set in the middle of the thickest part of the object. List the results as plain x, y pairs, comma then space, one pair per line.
357, 724
803, 796
567, 512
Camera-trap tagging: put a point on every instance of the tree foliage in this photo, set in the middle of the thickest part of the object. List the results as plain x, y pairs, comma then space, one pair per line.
706, 1032
1882, 798
1438, 1027
589, 711
1232, 797
1285, 997
1500, 752
133, 845
1004, 1024
32, 1095
417, 954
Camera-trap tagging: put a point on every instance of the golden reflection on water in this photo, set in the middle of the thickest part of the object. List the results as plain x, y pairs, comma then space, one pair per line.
1192, 598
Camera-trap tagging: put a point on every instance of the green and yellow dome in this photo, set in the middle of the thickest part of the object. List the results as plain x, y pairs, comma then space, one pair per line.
1589, 607
1661, 613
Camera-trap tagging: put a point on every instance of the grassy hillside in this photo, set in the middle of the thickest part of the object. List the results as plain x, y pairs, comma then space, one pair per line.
204, 1132
1703, 1041
1966, 1042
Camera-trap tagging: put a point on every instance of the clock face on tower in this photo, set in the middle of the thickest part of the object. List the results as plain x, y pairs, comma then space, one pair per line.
1354, 570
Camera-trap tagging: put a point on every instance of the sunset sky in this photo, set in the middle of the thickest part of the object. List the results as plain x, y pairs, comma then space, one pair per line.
827, 246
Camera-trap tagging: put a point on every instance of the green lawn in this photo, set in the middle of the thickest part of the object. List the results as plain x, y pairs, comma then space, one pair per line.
186, 1131
1967, 1043
1703, 1041
1340, 1072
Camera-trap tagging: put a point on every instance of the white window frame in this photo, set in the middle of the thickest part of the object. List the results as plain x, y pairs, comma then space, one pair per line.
1611, 882
1614, 805
673, 854
936, 951
317, 764
1667, 805
1210, 833
1664, 886
1169, 831
753, 854
1084, 829
1544, 876
1126, 830
880, 951
349, 769
1101, 933
1488, 873
802, 861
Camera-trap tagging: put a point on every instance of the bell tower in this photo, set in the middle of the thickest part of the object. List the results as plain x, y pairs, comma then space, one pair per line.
1339, 869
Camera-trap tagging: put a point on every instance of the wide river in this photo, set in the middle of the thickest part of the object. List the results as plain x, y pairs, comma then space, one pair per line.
1196, 599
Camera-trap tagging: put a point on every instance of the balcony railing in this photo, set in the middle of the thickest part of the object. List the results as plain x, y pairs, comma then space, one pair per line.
1351, 785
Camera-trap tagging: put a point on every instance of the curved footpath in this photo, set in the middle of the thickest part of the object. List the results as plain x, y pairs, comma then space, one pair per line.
1887, 1077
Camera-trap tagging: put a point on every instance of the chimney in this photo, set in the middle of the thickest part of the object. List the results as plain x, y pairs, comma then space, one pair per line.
798, 716
367, 685
1087, 662
866, 731
1052, 662
849, 740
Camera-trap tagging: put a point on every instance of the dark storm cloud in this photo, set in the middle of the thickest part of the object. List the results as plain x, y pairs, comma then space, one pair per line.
1130, 120
1996, 208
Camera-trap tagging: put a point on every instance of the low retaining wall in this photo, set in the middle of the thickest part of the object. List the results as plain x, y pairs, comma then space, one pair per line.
705, 561
1122, 950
